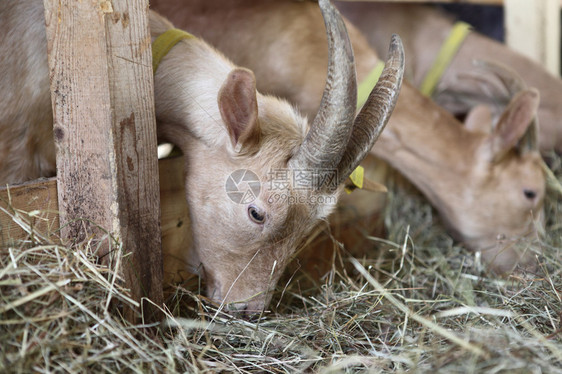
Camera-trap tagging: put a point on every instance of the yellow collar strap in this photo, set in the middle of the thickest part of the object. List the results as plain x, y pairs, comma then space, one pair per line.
368, 84
448, 50
164, 42
167, 40
446, 54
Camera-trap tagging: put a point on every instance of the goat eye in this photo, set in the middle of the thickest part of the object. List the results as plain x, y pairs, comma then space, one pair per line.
255, 215
529, 194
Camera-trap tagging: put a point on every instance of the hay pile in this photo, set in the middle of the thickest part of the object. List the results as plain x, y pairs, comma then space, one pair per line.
430, 307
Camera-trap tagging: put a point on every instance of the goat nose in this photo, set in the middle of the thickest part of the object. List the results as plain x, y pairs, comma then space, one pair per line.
248, 311
254, 311
237, 308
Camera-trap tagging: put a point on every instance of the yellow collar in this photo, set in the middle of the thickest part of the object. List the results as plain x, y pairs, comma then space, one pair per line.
167, 40
368, 84
446, 54
448, 50
164, 42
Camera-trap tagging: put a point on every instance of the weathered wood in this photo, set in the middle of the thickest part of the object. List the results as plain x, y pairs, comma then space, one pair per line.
533, 29
104, 127
40, 199
134, 135
82, 115
28, 210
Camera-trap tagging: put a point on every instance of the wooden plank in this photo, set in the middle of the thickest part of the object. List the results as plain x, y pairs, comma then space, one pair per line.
27, 211
82, 115
40, 199
533, 29
134, 136
104, 127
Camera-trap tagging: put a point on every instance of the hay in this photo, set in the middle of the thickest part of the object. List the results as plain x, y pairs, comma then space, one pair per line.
428, 307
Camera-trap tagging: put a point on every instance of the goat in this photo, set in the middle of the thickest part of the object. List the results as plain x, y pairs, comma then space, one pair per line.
488, 187
423, 30
229, 134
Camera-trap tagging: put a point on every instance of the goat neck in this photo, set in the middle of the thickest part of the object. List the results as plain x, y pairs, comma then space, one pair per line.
423, 30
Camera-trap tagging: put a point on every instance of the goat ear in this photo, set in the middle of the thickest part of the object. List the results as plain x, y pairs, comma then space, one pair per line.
479, 119
238, 106
514, 122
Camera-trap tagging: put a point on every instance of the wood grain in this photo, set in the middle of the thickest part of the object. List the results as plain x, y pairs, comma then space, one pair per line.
105, 132
40, 199
134, 137
82, 115
28, 210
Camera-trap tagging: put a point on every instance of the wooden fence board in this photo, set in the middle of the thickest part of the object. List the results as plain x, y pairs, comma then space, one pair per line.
82, 115
533, 29
40, 198
134, 137
105, 132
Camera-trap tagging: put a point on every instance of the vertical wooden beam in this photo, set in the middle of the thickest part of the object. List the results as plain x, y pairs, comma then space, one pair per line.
533, 28
105, 132
134, 124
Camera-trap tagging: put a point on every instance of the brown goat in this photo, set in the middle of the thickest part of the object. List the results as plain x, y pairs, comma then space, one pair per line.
488, 187
424, 28
232, 138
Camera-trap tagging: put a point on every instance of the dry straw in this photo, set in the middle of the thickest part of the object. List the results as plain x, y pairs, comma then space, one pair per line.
424, 305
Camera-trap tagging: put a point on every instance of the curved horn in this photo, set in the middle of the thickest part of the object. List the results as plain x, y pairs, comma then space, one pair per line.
374, 115
513, 83
331, 128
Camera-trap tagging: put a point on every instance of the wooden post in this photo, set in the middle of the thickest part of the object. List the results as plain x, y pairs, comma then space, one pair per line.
533, 29
105, 131
35, 203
